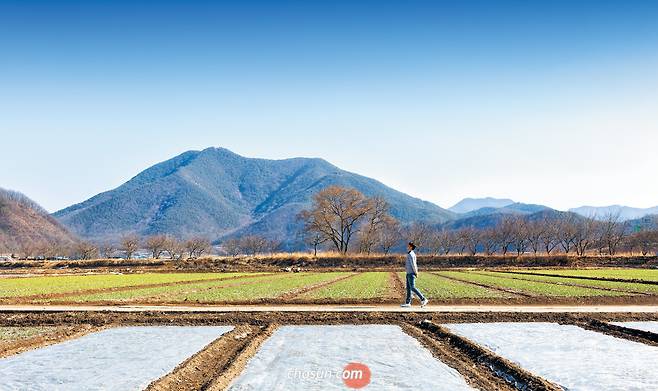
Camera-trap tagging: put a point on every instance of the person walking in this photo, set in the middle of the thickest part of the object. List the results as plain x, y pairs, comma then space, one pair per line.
412, 272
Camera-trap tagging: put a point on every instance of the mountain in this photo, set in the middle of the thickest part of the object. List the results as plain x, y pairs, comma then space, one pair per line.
624, 212
24, 222
516, 208
216, 192
470, 204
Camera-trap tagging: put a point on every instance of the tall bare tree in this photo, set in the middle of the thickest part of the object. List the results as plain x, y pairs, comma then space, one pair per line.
389, 235
336, 213
156, 245
374, 221
196, 246
129, 245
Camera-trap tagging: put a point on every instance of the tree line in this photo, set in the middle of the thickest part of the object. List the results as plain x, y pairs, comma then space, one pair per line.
346, 220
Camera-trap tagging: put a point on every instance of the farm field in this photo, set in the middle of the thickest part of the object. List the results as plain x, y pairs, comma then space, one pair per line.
629, 274
321, 287
567, 355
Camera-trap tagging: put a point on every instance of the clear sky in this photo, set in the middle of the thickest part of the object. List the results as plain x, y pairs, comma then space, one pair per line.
552, 102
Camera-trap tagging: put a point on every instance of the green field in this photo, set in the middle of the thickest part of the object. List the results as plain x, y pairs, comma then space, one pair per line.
161, 293
363, 286
309, 287
29, 286
437, 287
627, 274
534, 288
264, 290
17, 333
624, 286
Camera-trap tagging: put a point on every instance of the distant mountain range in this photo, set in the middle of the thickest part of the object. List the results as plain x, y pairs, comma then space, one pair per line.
624, 212
217, 193
24, 222
471, 204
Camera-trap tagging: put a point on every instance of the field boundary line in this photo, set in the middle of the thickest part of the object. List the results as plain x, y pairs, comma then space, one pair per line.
199, 370
396, 286
476, 374
41, 341
240, 358
628, 280
641, 336
494, 288
571, 284
513, 374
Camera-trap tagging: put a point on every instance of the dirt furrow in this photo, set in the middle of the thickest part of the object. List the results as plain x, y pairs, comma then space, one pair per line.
485, 360
11, 348
397, 289
492, 287
294, 294
571, 284
239, 357
475, 374
641, 336
200, 370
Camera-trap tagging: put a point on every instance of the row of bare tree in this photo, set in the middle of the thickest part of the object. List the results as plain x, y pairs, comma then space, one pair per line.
344, 219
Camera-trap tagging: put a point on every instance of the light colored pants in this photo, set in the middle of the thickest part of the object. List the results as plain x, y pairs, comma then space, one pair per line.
411, 287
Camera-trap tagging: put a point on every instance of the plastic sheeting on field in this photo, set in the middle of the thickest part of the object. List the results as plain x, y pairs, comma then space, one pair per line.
574, 358
126, 358
650, 326
313, 358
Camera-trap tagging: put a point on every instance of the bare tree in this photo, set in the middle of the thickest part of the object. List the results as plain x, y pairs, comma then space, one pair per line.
505, 233
129, 245
106, 249
174, 248
520, 235
489, 241
315, 239
156, 245
420, 233
536, 230
613, 232
196, 246
389, 235
470, 238
374, 221
567, 233
646, 241
84, 250
253, 244
549, 238
336, 213
584, 235
232, 247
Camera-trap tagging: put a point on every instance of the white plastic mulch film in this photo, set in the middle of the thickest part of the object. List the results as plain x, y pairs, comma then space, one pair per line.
572, 357
126, 358
314, 358
650, 326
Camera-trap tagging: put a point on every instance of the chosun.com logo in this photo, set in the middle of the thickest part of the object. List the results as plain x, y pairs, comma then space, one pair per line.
356, 375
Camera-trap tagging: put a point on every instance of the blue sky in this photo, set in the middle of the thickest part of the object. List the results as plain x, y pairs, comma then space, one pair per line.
544, 102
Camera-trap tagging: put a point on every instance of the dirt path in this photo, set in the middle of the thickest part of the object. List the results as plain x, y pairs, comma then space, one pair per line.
396, 288
334, 308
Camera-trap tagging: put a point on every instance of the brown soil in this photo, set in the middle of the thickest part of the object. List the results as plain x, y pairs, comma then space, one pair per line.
240, 357
397, 289
635, 281
475, 374
213, 362
61, 334
486, 361
641, 336
37, 318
